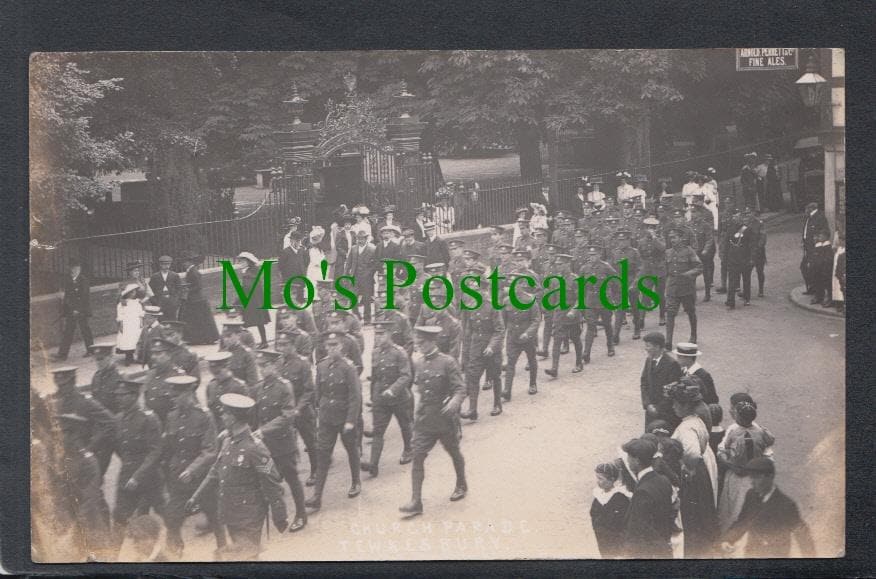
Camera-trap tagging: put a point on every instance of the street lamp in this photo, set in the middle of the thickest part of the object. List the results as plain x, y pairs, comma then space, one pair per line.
811, 85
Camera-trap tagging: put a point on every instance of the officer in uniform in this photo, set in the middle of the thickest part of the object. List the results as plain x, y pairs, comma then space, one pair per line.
482, 333
682, 268
623, 250
157, 394
521, 335
702, 223
247, 480
566, 322
181, 357
188, 449
439, 389
242, 363
340, 408
274, 419
223, 382
596, 312
138, 445
652, 250
296, 368
390, 394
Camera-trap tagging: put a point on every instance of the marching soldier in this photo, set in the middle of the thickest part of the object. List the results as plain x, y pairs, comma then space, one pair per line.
157, 395
596, 312
682, 268
181, 357
151, 331
349, 346
726, 223
296, 368
340, 406
188, 449
678, 222
702, 223
456, 266
223, 382
449, 339
349, 323
566, 322
138, 445
548, 268
300, 338
563, 236
242, 363
623, 250
504, 255
274, 418
399, 325
482, 332
439, 390
760, 257
652, 250
247, 481
539, 239
390, 394
106, 378
521, 336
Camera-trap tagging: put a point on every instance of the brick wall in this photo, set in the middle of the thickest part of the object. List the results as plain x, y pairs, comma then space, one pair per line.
45, 325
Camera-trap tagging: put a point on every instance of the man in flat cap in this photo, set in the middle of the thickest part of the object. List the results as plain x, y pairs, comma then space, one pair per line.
137, 443
188, 451
439, 390
274, 418
223, 382
769, 517
649, 522
166, 288
390, 394
410, 245
247, 480
436, 249
340, 408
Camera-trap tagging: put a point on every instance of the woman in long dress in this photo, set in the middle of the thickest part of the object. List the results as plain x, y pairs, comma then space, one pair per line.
699, 499
129, 317
253, 315
200, 327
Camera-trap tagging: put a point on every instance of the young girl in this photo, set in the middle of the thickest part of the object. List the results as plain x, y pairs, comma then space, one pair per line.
611, 500
129, 317
745, 440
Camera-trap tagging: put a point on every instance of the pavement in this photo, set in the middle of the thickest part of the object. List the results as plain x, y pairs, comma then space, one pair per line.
530, 470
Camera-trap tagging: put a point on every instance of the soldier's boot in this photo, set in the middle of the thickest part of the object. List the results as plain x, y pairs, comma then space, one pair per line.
670, 329
588, 345
311, 480
506, 392
418, 473
459, 466
609, 342
407, 453
497, 402
355, 460
708, 296
564, 346
315, 501
638, 323
555, 361
692, 318
373, 466
578, 353
618, 322
472, 413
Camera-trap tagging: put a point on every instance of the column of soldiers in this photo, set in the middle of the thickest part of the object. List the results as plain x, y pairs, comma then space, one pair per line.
229, 460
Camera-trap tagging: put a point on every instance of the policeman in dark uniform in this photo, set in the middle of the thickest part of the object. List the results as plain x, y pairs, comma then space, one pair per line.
242, 362
703, 224
181, 357
623, 250
340, 406
596, 312
482, 333
274, 418
390, 394
157, 394
247, 480
652, 250
138, 445
682, 268
566, 322
438, 391
223, 382
188, 449
521, 335
297, 369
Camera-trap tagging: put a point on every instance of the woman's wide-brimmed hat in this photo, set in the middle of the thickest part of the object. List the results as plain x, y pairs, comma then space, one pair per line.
249, 257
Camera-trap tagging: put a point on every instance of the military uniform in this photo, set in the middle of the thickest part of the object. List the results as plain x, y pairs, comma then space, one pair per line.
390, 396
301, 341
449, 339
548, 329
682, 268
157, 395
566, 323
703, 224
275, 415
297, 370
216, 388
350, 348
400, 330
97, 433
248, 483
521, 336
652, 250
148, 334
103, 385
340, 402
596, 312
482, 329
631, 254
242, 364
188, 445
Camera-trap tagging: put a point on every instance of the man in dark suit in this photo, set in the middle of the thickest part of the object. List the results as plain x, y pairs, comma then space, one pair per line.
409, 244
769, 517
660, 369
293, 262
649, 520
687, 354
436, 248
389, 246
75, 310
815, 222
361, 265
166, 289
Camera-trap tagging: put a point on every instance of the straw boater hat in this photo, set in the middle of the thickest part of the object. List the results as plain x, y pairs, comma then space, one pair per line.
686, 349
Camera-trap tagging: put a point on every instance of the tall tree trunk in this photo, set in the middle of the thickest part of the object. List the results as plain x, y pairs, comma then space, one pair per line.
178, 193
529, 149
636, 144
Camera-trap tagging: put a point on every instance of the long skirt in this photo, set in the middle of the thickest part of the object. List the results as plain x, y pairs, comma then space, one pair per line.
200, 326
732, 498
698, 514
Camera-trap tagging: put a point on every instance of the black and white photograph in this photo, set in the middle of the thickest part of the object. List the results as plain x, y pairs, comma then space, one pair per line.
252, 330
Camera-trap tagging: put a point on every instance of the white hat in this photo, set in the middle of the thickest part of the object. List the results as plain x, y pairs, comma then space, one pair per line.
129, 288
317, 231
686, 349
249, 257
